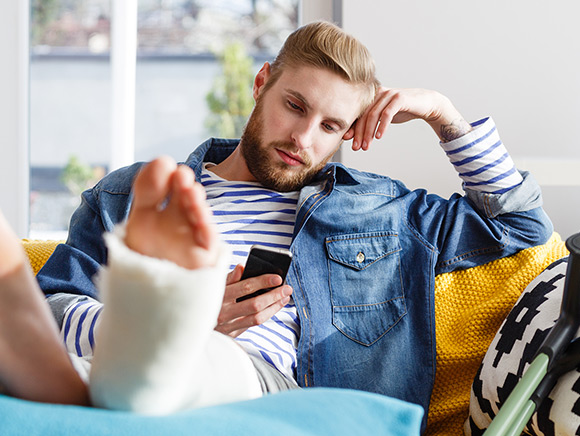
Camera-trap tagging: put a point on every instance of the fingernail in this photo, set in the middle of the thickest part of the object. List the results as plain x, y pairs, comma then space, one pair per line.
275, 281
354, 145
287, 290
364, 146
378, 135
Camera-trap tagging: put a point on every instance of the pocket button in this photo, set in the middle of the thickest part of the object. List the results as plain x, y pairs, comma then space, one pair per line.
360, 257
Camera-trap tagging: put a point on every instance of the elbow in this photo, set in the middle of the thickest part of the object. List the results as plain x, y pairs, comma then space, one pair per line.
530, 228
544, 227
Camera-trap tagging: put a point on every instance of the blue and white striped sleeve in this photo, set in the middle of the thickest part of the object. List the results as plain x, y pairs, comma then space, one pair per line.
482, 160
79, 325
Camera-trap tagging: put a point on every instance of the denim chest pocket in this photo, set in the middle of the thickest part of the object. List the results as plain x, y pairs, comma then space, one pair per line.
366, 285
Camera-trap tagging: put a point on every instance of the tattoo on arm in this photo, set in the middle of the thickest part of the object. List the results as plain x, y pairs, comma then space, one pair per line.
456, 129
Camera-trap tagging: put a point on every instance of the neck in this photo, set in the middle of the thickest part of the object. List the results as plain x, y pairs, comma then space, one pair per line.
233, 168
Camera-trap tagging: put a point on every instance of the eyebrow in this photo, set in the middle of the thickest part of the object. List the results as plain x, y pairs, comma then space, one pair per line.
339, 122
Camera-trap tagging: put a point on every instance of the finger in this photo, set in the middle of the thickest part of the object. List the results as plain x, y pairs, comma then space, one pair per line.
374, 117
229, 329
254, 284
386, 120
237, 326
349, 134
359, 129
234, 275
231, 309
233, 328
263, 315
364, 123
259, 303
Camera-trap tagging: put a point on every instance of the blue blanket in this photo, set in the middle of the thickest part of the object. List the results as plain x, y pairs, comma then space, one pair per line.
314, 411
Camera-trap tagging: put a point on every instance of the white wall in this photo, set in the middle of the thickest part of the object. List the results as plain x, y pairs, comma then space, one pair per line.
315, 10
14, 114
517, 61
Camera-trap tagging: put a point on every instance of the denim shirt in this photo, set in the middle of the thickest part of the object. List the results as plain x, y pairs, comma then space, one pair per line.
365, 254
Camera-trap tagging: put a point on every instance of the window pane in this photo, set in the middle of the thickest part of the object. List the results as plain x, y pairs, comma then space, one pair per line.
179, 46
69, 104
178, 42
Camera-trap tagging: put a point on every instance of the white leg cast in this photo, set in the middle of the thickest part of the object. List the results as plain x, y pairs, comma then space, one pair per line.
156, 350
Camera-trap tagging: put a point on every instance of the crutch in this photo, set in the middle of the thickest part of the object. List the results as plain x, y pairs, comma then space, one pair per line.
557, 355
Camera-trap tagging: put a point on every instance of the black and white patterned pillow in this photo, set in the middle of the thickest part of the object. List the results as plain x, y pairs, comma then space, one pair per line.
511, 352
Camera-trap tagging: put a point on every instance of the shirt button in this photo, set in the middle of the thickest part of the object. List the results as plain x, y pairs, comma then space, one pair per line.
360, 257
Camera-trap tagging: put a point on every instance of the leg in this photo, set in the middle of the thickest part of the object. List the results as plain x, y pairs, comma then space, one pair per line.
33, 361
156, 348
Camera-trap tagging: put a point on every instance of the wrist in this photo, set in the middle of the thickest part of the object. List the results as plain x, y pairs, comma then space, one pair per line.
449, 124
454, 129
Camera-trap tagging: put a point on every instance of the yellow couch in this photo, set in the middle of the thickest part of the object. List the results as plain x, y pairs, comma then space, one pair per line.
469, 308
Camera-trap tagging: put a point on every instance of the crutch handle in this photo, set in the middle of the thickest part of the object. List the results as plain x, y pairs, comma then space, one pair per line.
571, 297
569, 321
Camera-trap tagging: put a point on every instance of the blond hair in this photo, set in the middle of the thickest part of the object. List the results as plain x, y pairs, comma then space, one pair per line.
324, 45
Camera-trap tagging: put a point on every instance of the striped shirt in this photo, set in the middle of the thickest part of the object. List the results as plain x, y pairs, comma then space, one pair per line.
482, 161
246, 213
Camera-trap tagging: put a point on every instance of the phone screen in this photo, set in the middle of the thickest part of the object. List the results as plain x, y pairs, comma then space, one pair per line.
265, 260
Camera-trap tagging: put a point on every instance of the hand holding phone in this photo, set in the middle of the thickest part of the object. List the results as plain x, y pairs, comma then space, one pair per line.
265, 260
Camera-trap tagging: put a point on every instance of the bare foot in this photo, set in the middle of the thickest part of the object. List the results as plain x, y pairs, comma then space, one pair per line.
33, 362
169, 218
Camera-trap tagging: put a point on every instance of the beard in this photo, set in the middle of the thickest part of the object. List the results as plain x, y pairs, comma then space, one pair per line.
275, 174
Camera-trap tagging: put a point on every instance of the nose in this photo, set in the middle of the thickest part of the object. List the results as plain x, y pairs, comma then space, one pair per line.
303, 134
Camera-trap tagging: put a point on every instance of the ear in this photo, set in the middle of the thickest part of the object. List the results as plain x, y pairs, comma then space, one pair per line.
260, 80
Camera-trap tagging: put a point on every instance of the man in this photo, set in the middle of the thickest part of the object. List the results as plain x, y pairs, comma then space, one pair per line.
357, 310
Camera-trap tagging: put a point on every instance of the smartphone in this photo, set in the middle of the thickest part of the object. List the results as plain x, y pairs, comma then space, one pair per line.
265, 260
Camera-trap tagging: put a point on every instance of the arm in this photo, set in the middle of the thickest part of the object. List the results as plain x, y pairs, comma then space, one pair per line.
479, 156
401, 105
501, 212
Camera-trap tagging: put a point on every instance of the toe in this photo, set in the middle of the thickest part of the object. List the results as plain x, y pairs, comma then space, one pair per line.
153, 183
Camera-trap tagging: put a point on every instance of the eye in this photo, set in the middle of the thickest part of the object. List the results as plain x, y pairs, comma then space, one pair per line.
294, 106
328, 127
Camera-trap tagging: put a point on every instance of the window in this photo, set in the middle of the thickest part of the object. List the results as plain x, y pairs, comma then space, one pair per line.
178, 59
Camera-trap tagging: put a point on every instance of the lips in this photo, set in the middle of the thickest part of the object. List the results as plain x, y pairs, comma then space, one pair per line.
290, 158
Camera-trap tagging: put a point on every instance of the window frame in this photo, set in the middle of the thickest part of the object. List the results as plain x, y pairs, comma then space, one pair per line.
14, 107
15, 85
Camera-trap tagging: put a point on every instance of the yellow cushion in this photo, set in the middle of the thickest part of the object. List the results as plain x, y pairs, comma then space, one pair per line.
38, 251
470, 305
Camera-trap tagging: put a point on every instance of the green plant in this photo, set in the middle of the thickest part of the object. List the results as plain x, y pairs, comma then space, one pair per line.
230, 99
43, 12
78, 176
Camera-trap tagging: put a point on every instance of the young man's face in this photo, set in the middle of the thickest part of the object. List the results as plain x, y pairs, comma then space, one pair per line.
297, 125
